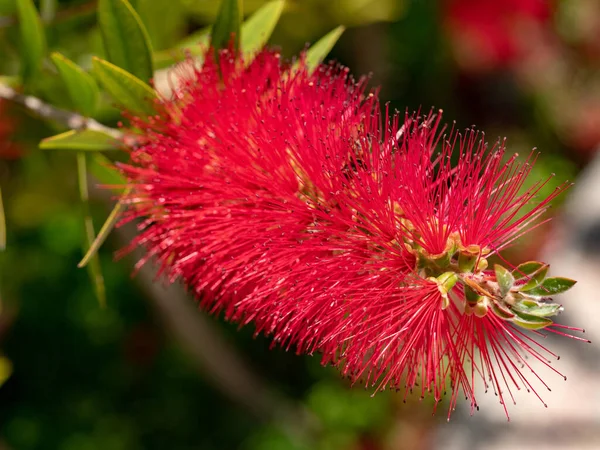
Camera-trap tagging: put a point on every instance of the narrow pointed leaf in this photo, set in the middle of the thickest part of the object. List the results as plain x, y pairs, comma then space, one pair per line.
165, 21
110, 223
197, 41
127, 90
501, 311
81, 86
125, 38
543, 310
33, 39
504, 278
530, 321
2, 224
48, 10
84, 140
471, 296
94, 269
227, 25
320, 49
535, 278
194, 45
102, 168
526, 269
257, 29
6, 369
552, 286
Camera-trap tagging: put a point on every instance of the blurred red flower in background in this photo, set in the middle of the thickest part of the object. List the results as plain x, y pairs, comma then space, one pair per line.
488, 34
8, 125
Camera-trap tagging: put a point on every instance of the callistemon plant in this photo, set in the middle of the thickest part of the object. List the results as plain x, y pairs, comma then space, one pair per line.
284, 198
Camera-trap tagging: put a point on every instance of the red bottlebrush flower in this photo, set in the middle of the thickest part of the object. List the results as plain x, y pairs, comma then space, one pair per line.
284, 199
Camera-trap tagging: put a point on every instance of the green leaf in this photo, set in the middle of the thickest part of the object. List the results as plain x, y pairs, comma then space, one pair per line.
257, 29
10, 81
2, 224
552, 286
501, 311
504, 278
227, 25
535, 278
194, 45
48, 10
535, 309
165, 21
471, 296
125, 38
526, 269
110, 223
81, 86
320, 49
6, 369
530, 321
102, 168
197, 41
84, 140
33, 40
94, 269
125, 89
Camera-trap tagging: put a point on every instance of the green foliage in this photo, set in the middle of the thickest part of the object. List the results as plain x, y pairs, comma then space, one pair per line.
125, 38
94, 268
529, 321
96, 242
83, 140
254, 34
82, 88
2, 224
48, 9
107, 175
319, 50
165, 21
33, 39
527, 269
102, 168
227, 25
540, 310
552, 286
504, 278
195, 44
126, 90
345, 410
535, 271
256, 31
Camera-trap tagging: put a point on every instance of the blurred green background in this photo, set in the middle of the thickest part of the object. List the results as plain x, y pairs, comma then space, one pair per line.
144, 374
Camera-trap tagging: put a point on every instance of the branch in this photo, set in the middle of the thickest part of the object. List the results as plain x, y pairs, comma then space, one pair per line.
68, 119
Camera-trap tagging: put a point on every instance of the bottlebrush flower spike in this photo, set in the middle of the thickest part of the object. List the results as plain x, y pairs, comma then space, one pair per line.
286, 200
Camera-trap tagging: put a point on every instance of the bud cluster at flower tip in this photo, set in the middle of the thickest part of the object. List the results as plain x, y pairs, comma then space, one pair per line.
293, 204
521, 296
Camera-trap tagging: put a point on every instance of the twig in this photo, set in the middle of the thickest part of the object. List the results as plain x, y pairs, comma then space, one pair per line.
69, 119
